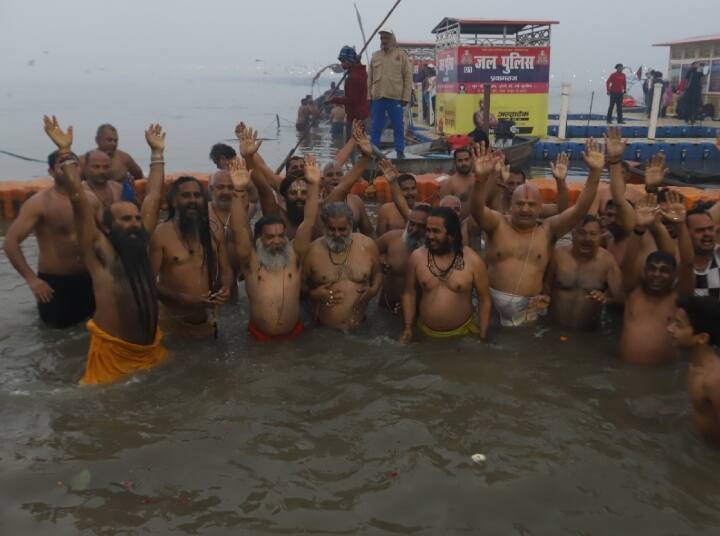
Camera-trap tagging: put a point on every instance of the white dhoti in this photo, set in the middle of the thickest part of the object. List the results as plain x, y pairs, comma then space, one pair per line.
511, 309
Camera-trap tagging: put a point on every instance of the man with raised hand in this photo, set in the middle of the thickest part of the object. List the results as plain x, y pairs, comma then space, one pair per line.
271, 265
518, 248
124, 334
656, 236
652, 292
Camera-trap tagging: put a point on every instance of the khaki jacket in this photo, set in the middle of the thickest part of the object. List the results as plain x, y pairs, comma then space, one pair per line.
390, 75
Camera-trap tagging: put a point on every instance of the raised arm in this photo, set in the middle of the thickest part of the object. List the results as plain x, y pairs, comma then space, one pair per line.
150, 210
560, 172
249, 146
248, 136
615, 149
675, 213
340, 192
83, 211
242, 239
303, 236
344, 153
483, 165
566, 220
391, 174
645, 215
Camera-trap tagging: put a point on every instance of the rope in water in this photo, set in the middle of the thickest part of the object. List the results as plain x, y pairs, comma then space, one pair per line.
21, 157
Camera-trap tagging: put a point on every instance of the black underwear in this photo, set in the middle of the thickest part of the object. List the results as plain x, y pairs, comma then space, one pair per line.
73, 300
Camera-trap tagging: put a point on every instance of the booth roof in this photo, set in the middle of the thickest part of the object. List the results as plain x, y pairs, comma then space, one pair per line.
490, 26
416, 44
689, 40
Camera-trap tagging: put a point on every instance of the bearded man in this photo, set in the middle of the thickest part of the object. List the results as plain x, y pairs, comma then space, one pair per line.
194, 275
124, 333
342, 270
272, 267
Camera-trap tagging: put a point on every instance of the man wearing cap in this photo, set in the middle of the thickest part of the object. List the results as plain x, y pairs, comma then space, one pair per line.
355, 99
389, 88
616, 86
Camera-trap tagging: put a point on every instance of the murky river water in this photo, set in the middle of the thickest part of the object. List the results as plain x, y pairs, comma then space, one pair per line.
347, 434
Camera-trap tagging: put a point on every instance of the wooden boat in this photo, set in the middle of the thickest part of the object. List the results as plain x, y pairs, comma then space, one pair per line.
433, 156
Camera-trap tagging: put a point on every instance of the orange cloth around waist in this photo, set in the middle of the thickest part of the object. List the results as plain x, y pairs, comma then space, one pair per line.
260, 336
110, 358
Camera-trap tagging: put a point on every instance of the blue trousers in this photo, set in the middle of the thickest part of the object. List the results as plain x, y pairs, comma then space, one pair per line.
394, 110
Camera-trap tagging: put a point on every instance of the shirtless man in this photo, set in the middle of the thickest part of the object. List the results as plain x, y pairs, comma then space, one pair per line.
388, 216
337, 120
651, 298
293, 187
696, 329
272, 267
122, 164
337, 185
124, 335
222, 155
96, 173
460, 183
396, 246
62, 285
657, 236
509, 178
342, 270
518, 247
194, 274
579, 277
446, 273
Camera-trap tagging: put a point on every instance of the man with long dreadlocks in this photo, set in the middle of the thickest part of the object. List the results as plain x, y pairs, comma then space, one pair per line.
272, 266
446, 272
194, 274
124, 334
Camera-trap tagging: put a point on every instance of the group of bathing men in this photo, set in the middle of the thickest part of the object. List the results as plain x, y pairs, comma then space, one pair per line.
491, 249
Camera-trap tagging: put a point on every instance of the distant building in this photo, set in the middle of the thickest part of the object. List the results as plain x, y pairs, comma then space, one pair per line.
706, 49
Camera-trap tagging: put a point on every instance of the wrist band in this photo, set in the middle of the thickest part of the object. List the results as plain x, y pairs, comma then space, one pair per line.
68, 161
610, 162
157, 162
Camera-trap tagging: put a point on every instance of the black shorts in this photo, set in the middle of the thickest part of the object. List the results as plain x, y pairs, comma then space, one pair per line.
73, 300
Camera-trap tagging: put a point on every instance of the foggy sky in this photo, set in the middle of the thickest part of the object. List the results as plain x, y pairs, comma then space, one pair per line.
130, 39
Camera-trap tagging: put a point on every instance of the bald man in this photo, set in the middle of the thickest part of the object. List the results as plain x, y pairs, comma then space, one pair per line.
518, 248
96, 175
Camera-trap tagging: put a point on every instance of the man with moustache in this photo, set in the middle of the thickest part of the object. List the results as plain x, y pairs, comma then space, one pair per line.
272, 267
706, 261
194, 274
446, 273
652, 292
96, 174
62, 286
395, 246
518, 247
580, 277
124, 334
221, 155
460, 183
342, 270
389, 217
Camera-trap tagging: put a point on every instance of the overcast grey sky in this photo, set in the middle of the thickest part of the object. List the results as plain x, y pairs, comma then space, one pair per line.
131, 38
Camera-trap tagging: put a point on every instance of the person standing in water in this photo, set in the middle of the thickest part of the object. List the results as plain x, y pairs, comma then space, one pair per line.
124, 336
